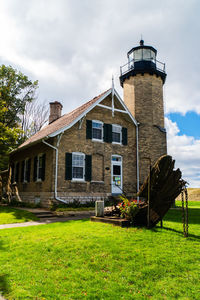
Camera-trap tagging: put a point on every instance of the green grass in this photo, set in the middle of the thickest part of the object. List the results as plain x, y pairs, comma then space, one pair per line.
85, 260
10, 215
190, 203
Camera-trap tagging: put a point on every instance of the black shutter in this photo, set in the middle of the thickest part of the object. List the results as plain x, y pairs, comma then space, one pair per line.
29, 170
17, 172
88, 129
107, 133
88, 167
124, 136
43, 166
35, 168
12, 172
22, 171
68, 166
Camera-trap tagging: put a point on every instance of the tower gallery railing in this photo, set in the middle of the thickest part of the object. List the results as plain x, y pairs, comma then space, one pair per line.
158, 65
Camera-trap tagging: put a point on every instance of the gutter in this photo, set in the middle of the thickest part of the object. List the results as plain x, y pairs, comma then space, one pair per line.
137, 161
56, 169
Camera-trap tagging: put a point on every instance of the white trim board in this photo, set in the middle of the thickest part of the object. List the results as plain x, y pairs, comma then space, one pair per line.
97, 103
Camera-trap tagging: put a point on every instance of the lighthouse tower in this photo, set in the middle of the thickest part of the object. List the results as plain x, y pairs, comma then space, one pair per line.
142, 79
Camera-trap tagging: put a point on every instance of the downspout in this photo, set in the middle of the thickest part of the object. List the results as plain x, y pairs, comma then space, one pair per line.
56, 170
137, 162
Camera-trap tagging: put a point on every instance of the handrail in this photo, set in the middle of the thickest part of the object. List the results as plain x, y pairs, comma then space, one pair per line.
160, 66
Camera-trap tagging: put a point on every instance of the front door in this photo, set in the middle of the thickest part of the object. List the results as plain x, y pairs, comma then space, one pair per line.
116, 174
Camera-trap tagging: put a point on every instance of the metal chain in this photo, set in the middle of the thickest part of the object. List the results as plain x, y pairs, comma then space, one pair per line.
183, 211
186, 212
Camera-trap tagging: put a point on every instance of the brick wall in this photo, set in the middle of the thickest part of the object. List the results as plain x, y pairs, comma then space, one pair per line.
34, 190
74, 140
143, 95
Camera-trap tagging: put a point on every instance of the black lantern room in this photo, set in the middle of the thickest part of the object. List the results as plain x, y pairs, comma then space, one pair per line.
141, 60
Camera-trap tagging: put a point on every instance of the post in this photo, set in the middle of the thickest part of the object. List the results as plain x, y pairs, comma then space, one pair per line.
99, 208
161, 223
149, 192
183, 212
186, 212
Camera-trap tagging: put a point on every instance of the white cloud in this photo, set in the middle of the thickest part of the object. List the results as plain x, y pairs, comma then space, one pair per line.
186, 151
74, 47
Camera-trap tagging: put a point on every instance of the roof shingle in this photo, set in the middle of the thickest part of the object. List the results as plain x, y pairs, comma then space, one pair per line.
62, 122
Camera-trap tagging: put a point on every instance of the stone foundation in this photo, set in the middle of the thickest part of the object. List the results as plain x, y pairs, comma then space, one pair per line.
47, 199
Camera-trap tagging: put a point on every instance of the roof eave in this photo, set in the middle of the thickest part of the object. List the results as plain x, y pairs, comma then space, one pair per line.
81, 115
57, 132
126, 108
28, 145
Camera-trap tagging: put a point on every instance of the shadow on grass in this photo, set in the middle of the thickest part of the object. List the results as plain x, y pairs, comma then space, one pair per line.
191, 236
176, 216
180, 232
4, 287
18, 214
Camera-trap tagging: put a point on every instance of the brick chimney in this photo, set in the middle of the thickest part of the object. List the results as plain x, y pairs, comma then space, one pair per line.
55, 111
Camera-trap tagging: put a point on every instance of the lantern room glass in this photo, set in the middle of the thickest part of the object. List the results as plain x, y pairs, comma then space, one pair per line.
143, 54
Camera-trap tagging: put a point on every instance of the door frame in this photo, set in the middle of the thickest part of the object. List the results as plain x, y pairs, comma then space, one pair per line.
119, 163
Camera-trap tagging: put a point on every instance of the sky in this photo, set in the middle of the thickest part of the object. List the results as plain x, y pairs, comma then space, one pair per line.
74, 47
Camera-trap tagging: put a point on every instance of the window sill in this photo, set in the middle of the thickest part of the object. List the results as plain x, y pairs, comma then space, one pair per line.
78, 180
39, 181
96, 140
115, 143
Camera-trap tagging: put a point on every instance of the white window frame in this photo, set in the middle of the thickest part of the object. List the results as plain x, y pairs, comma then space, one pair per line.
25, 170
79, 179
94, 139
118, 126
39, 179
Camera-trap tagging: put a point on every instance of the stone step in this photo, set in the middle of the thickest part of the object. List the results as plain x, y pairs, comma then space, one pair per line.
38, 213
45, 214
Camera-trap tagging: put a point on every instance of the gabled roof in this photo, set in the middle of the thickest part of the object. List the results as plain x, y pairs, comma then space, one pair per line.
68, 120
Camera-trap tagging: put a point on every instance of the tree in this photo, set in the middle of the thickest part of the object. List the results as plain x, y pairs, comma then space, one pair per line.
35, 117
16, 90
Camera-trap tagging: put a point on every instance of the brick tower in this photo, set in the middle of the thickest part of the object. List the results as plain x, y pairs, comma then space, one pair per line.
142, 79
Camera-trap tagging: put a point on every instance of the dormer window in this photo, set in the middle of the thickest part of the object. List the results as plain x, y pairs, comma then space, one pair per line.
97, 130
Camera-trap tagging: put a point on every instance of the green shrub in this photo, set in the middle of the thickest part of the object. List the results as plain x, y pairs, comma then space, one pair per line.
128, 208
23, 204
77, 204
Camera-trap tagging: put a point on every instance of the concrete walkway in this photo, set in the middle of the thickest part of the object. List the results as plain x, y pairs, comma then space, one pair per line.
44, 222
72, 215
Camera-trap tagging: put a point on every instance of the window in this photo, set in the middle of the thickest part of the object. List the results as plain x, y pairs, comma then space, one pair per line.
97, 130
116, 158
78, 166
16, 172
25, 170
39, 167
116, 134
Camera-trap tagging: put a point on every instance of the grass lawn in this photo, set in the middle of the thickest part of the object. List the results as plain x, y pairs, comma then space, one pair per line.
85, 260
10, 215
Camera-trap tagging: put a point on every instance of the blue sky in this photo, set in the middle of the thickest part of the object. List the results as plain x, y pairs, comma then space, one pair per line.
188, 124
74, 47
